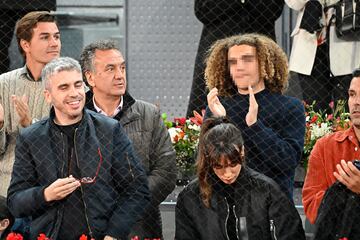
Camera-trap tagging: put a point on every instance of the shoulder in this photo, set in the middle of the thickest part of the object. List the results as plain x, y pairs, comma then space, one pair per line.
261, 182
336, 137
192, 190
287, 101
11, 75
36, 130
288, 104
145, 108
100, 119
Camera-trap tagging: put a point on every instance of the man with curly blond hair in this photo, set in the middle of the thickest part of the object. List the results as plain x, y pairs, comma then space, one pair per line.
246, 76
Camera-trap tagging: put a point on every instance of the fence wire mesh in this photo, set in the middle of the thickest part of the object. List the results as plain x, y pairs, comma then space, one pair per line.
279, 133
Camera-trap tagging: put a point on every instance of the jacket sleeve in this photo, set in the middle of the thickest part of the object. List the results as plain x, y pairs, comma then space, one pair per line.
315, 184
285, 222
212, 11
162, 176
184, 225
285, 145
24, 190
131, 185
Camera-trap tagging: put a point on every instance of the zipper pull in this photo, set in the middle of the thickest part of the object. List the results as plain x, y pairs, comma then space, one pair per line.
272, 230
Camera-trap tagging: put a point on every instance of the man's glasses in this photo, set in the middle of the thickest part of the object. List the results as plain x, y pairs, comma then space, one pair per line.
88, 180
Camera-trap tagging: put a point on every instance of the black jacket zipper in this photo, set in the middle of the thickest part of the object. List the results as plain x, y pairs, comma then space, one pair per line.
82, 190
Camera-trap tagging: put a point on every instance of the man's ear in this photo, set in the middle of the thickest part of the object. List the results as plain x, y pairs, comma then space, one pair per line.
25, 45
47, 96
90, 78
4, 224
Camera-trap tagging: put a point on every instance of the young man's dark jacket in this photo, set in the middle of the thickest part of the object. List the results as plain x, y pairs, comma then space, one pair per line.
274, 143
143, 124
113, 203
262, 210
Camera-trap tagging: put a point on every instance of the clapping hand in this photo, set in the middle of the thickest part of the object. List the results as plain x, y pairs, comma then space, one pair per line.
214, 103
22, 109
251, 116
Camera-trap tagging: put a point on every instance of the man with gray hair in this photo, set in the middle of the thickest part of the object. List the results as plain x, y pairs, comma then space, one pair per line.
75, 172
105, 73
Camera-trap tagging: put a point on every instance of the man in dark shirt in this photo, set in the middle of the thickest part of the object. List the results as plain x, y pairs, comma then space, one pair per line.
247, 75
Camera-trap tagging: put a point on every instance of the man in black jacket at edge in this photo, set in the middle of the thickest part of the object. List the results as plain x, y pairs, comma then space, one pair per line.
75, 172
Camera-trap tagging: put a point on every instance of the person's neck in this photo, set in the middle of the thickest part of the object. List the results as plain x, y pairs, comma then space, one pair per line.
35, 68
246, 91
66, 121
107, 104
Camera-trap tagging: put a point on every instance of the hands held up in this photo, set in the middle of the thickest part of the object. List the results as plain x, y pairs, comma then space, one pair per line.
218, 109
22, 109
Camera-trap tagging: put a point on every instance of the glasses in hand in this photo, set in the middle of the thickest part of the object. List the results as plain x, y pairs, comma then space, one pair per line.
88, 180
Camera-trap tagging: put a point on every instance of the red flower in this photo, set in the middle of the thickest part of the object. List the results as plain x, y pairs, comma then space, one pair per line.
330, 117
198, 119
331, 105
314, 118
42, 237
14, 236
83, 237
135, 238
180, 121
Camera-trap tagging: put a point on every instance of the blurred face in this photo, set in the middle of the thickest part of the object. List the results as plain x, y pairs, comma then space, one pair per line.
44, 45
109, 78
244, 68
66, 93
354, 101
227, 171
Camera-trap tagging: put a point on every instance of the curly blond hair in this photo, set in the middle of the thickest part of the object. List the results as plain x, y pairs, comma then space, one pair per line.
273, 63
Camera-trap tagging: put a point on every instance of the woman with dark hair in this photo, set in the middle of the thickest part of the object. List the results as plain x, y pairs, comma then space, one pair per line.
230, 200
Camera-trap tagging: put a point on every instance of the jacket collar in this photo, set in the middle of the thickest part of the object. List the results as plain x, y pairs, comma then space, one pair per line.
127, 98
241, 183
347, 134
82, 121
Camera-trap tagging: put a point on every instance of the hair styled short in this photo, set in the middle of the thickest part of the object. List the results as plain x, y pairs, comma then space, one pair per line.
58, 65
24, 28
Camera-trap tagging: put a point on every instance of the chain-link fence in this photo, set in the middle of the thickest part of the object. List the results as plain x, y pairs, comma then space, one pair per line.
278, 134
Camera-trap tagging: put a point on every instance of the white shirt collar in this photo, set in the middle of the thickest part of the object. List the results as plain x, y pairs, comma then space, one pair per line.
117, 110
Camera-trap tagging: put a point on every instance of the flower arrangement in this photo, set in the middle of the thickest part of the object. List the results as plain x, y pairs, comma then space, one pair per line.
42, 236
184, 134
319, 123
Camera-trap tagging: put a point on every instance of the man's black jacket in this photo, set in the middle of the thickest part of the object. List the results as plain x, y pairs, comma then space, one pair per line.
113, 203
